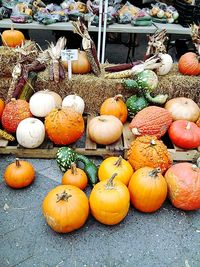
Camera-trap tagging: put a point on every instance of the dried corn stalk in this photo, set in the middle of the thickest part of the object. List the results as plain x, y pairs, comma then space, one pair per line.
88, 46
195, 34
156, 43
6, 136
55, 54
15, 77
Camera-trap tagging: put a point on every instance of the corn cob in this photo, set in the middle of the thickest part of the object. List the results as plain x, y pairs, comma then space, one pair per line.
119, 75
7, 136
120, 67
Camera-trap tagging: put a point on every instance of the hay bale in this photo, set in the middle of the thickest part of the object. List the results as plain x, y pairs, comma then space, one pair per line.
94, 90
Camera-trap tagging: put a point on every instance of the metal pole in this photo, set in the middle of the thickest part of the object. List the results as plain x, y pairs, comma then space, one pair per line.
99, 31
104, 31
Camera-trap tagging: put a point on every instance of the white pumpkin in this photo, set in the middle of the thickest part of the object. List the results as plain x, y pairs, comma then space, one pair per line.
41, 104
167, 63
57, 97
30, 133
74, 101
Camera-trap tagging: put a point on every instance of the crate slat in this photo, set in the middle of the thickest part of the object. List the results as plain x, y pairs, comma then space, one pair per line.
89, 144
116, 146
128, 137
3, 143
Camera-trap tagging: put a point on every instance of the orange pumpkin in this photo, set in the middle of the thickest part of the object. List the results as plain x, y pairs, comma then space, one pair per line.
189, 64
80, 66
64, 126
19, 174
65, 208
148, 189
151, 120
115, 106
148, 151
183, 180
109, 201
117, 165
75, 176
12, 38
2, 105
14, 112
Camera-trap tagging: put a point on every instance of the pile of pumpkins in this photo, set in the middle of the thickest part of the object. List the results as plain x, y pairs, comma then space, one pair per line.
144, 179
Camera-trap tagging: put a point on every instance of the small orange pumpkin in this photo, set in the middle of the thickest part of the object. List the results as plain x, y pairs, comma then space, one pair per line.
109, 201
75, 176
64, 126
117, 165
189, 64
80, 66
65, 208
19, 174
148, 189
2, 105
12, 38
148, 151
115, 106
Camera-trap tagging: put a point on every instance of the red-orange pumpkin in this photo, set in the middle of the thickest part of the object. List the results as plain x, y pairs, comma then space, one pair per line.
151, 120
183, 180
14, 112
189, 64
2, 105
12, 38
115, 106
64, 126
185, 134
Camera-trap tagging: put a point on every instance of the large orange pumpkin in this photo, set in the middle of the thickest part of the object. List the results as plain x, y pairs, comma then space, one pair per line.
64, 126
115, 106
19, 174
117, 165
183, 180
65, 208
148, 189
2, 105
151, 120
75, 176
148, 151
80, 66
189, 64
109, 201
12, 38
14, 112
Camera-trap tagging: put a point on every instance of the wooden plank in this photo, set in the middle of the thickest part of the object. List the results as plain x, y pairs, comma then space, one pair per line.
128, 137
177, 148
89, 144
3, 143
116, 146
187, 155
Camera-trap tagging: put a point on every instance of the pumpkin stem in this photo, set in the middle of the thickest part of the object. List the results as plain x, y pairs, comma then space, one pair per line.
63, 196
188, 126
117, 97
153, 142
73, 168
155, 172
12, 27
119, 161
13, 99
17, 162
110, 184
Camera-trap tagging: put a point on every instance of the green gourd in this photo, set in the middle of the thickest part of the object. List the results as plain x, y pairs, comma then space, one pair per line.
146, 82
135, 104
66, 156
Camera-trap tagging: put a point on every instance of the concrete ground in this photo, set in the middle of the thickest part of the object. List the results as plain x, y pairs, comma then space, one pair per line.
167, 238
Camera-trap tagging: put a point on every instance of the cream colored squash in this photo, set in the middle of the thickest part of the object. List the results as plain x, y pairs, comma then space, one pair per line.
74, 101
105, 129
30, 133
41, 104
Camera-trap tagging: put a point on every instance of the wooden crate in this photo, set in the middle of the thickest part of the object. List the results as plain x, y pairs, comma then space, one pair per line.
48, 150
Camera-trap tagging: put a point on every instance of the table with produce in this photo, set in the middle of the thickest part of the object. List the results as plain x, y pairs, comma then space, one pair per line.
147, 100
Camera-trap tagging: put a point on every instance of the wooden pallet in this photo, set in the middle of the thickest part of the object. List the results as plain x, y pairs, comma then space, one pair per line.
48, 150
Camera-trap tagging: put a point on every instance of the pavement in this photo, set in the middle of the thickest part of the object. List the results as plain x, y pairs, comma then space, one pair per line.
166, 238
